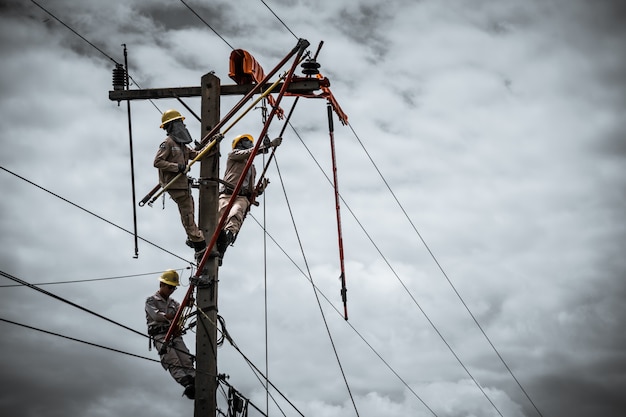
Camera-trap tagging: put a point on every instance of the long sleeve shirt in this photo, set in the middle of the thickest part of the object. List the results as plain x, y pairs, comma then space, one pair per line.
235, 163
167, 159
156, 309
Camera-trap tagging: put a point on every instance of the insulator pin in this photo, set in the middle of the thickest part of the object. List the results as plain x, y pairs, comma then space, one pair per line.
310, 67
119, 77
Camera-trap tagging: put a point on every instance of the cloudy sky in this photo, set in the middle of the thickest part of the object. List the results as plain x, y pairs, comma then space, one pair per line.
483, 183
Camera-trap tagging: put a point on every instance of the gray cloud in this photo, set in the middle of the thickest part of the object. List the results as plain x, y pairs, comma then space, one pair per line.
497, 126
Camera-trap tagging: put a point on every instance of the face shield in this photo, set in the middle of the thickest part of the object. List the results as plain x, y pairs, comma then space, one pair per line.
177, 130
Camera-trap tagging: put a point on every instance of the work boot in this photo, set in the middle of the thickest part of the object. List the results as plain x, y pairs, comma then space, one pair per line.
198, 255
230, 237
201, 248
190, 386
190, 391
224, 240
222, 243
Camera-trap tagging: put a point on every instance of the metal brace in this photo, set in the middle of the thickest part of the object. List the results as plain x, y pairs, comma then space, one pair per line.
204, 280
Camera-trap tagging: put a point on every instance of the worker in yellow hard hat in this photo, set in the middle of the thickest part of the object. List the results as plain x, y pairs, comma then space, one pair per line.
235, 163
160, 311
171, 159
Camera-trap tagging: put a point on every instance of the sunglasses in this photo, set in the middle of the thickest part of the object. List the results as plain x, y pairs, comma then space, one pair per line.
171, 287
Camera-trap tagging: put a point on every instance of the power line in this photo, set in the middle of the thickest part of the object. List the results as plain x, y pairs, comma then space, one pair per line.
402, 208
443, 272
59, 298
315, 291
78, 340
49, 294
73, 31
92, 45
92, 213
207, 24
408, 387
432, 324
86, 280
279, 19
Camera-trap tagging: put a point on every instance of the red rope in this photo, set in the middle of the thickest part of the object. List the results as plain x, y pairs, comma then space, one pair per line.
344, 291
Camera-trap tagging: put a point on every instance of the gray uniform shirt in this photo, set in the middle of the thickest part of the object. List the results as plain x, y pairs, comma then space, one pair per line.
235, 163
156, 309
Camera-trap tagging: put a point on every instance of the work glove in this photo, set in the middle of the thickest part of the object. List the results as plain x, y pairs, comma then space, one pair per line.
182, 168
262, 186
276, 142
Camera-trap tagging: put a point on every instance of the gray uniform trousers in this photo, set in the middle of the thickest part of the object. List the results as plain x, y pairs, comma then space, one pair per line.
176, 358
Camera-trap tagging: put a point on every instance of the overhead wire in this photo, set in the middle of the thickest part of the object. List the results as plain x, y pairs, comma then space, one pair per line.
193, 11
49, 13
304, 256
445, 275
86, 280
206, 23
260, 183
92, 213
279, 19
78, 306
78, 340
315, 290
226, 336
303, 273
223, 330
265, 286
108, 56
430, 252
432, 324
310, 278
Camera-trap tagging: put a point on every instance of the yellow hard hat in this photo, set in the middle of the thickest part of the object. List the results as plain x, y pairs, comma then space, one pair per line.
170, 115
170, 277
242, 137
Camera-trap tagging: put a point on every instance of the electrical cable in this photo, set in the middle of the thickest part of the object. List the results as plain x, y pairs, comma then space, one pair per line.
402, 208
265, 304
432, 324
445, 275
408, 387
78, 340
279, 19
59, 298
73, 31
314, 288
257, 372
90, 43
29, 285
93, 214
87, 343
205, 22
85, 280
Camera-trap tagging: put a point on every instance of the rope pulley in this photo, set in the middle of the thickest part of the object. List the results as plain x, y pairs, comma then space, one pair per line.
310, 67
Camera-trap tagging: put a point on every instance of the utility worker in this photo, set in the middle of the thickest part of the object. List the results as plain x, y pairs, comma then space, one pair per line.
242, 149
171, 159
160, 311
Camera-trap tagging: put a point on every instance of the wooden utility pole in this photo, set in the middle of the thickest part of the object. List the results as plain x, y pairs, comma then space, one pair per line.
206, 299
210, 91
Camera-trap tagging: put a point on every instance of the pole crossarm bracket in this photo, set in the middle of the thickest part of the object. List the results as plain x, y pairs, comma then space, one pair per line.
297, 86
